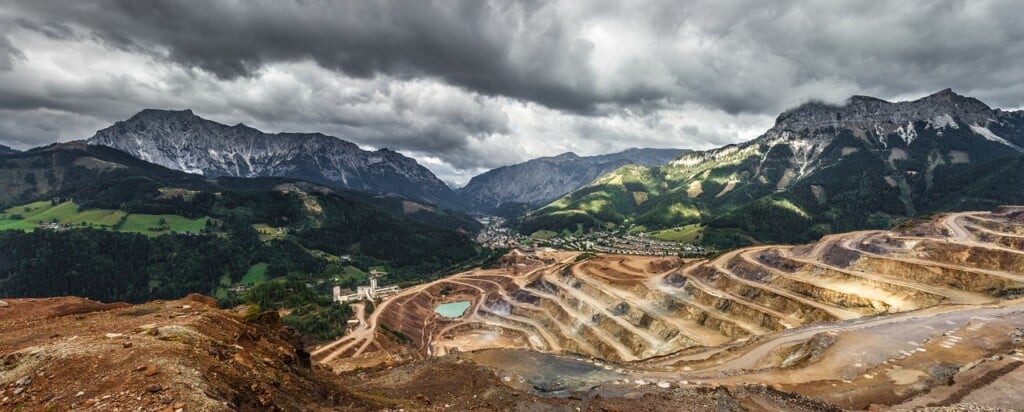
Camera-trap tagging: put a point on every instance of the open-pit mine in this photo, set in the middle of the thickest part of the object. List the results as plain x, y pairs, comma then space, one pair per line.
928, 314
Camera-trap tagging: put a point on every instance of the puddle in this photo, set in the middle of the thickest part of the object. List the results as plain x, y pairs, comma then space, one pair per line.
452, 309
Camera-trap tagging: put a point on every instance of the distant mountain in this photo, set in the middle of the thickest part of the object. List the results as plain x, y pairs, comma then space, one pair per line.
821, 169
103, 177
183, 141
6, 150
539, 181
641, 157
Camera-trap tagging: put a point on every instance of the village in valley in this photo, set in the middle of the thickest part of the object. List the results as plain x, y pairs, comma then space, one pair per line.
625, 244
496, 235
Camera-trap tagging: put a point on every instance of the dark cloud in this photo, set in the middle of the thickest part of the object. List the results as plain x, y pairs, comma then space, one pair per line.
514, 49
8, 54
740, 56
471, 84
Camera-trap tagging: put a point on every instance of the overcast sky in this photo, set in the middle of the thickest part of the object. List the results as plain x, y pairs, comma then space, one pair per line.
465, 86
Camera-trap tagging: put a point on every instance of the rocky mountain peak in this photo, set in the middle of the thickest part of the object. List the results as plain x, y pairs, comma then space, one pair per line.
947, 99
153, 114
564, 157
180, 140
864, 113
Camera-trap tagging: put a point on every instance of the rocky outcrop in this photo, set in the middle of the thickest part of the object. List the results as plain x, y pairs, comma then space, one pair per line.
809, 128
865, 114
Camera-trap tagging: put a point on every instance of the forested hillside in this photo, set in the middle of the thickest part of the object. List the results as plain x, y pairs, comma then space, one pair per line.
821, 169
293, 229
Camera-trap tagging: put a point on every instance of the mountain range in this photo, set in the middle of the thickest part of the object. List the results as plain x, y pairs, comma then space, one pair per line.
182, 141
6, 150
820, 169
539, 181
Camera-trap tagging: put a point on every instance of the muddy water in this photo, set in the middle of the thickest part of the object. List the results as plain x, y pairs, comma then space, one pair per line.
543, 372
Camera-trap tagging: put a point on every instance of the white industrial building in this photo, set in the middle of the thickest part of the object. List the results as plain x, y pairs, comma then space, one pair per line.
367, 292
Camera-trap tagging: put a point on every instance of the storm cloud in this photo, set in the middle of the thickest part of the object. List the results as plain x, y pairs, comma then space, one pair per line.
469, 85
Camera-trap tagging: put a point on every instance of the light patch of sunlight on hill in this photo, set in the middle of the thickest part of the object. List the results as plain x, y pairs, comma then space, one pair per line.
594, 205
694, 189
680, 210
786, 204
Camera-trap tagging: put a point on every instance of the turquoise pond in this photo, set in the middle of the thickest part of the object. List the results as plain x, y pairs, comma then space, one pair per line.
452, 309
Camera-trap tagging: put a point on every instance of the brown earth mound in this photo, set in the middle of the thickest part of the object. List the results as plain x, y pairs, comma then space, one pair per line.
76, 354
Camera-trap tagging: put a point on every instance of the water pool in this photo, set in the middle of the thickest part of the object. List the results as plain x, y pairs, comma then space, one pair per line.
452, 309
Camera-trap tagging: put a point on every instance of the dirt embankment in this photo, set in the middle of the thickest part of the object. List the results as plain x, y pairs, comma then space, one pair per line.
75, 354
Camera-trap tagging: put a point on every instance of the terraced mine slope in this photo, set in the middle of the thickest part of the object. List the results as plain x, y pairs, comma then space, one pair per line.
836, 309
73, 354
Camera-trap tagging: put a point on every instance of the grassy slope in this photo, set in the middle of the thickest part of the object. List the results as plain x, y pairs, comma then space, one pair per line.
688, 233
67, 213
256, 274
544, 234
268, 232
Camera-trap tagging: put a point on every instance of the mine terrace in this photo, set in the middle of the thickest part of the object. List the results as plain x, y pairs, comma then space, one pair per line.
910, 316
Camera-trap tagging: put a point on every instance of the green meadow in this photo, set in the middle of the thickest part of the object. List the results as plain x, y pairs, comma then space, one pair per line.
256, 274
544, 234
28, 217
688, 233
